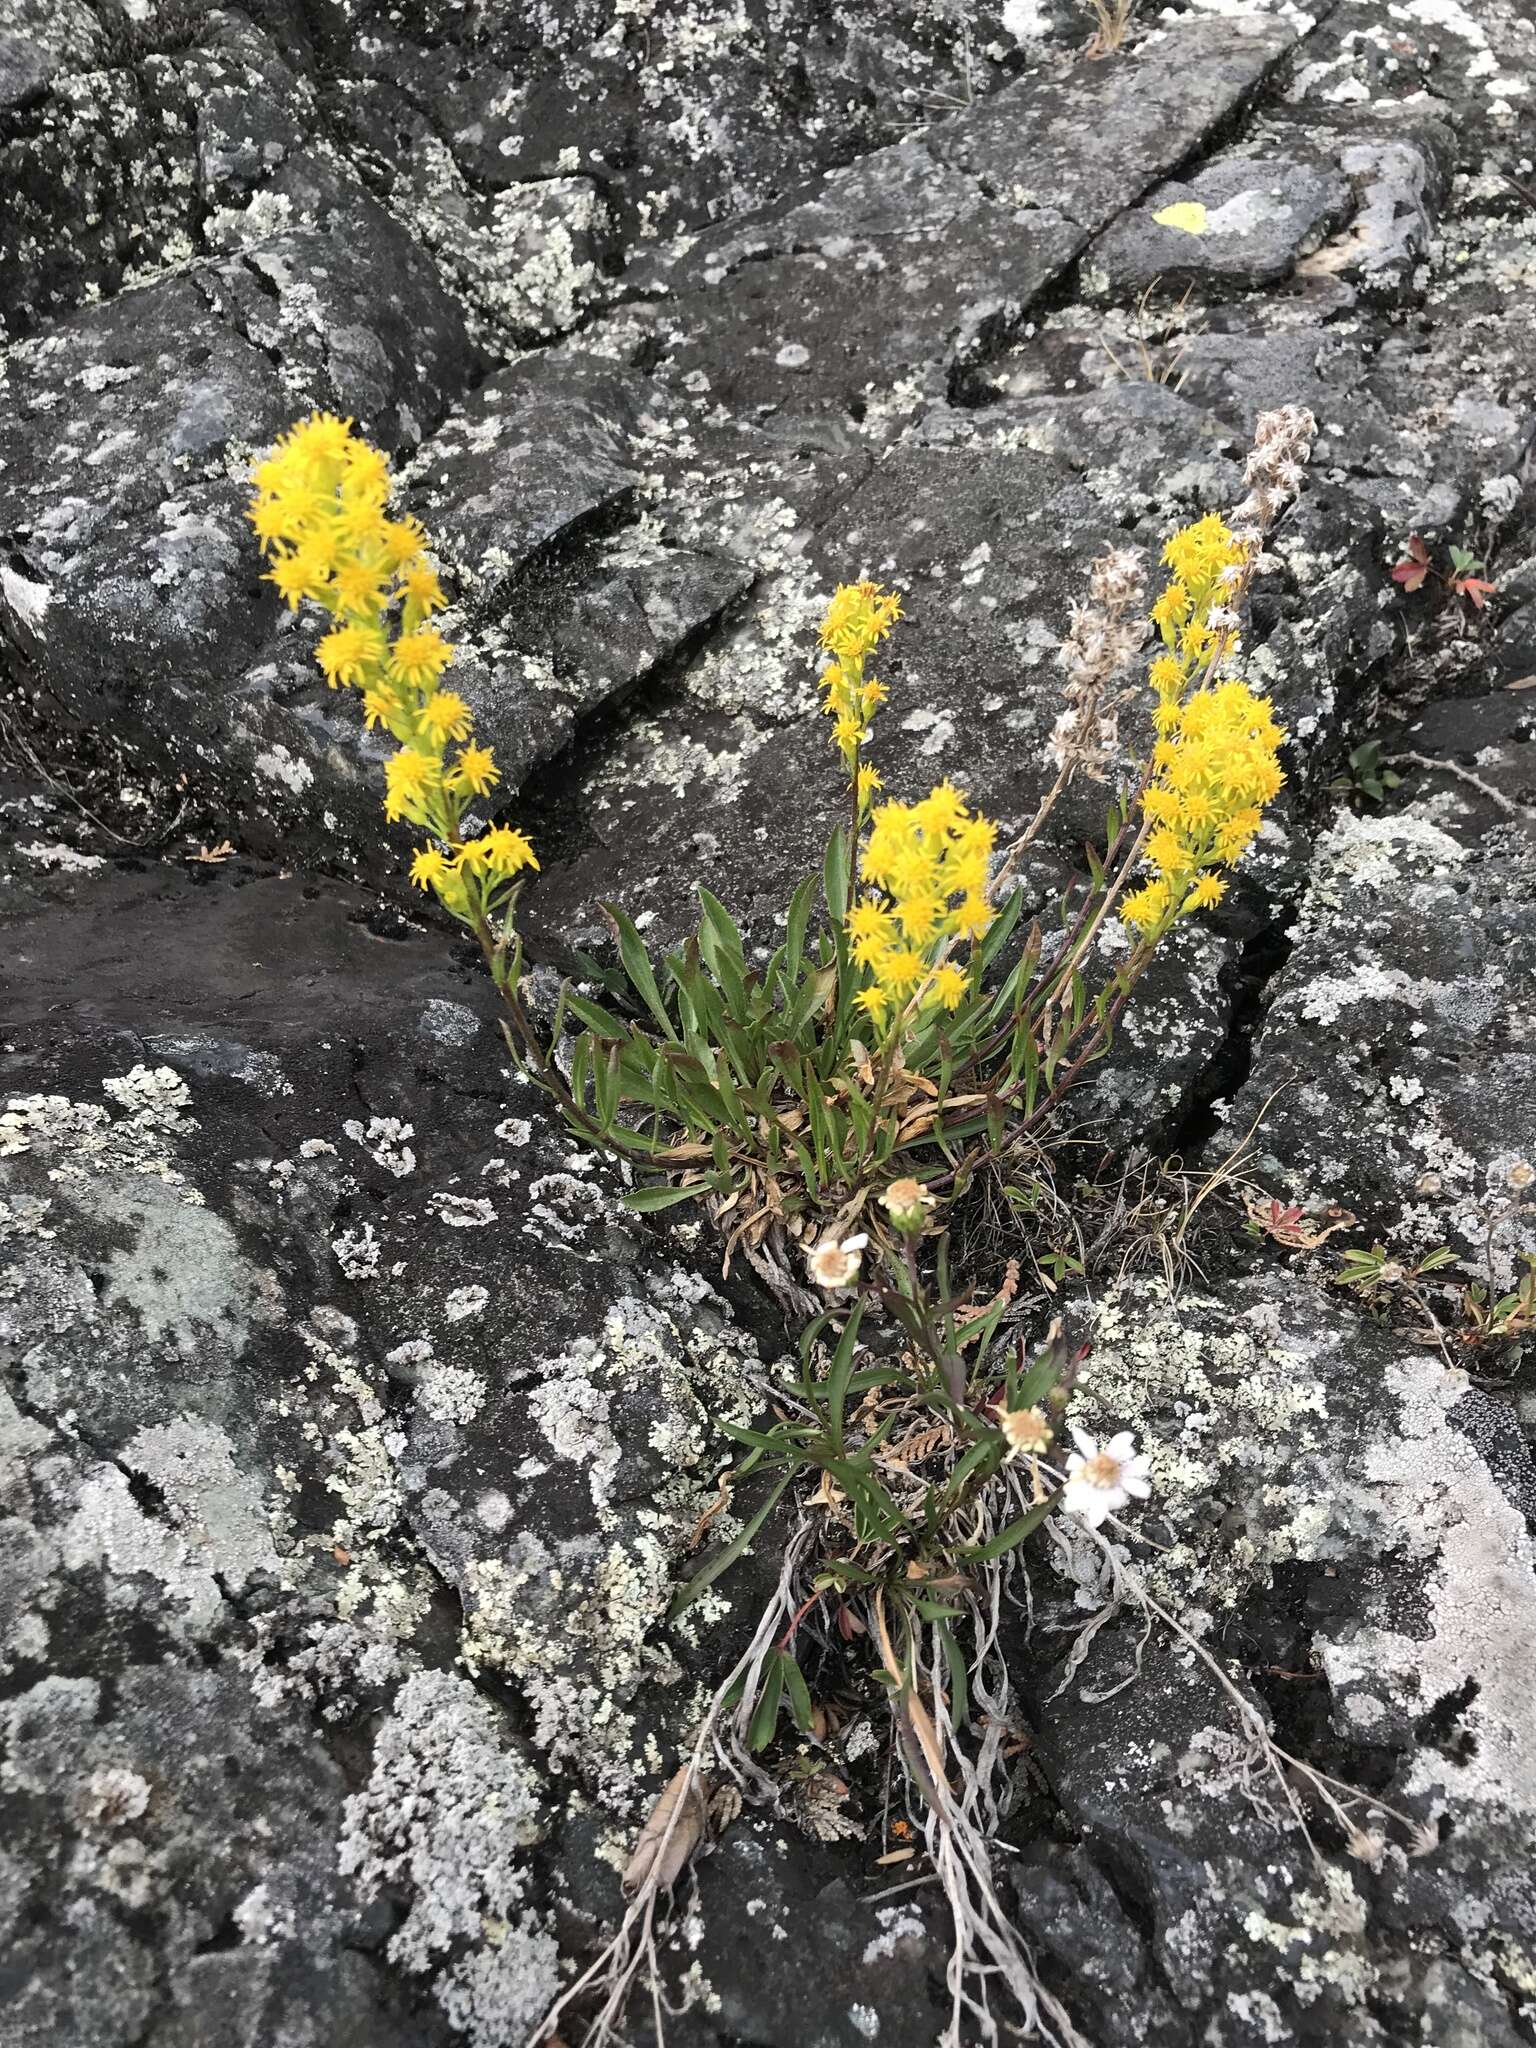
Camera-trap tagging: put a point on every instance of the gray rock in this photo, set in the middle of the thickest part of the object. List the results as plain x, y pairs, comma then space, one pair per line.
352, 1434
1259, 216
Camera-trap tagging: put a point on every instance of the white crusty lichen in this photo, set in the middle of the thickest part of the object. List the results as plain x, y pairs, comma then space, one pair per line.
573, 1618
1232, 1412
448, 1816
1447, 1508
81, 1138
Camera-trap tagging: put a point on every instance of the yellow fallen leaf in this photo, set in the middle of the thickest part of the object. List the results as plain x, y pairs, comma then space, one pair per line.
1188, 215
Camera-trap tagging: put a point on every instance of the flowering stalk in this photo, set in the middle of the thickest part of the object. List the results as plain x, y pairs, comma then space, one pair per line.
319, 510
320, 514
858, 619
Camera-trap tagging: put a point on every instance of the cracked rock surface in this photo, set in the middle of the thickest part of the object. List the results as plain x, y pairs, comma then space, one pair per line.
354, 1438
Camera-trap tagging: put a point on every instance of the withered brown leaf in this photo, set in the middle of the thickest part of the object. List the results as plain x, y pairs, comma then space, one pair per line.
665, 1843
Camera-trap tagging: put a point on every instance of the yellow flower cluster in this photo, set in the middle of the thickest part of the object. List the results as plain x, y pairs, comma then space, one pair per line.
858, 619
1208, 563
928, 862
1214, 765
320, 511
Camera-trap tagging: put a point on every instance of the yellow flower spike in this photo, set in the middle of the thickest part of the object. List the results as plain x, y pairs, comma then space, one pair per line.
1214, 764
858, 618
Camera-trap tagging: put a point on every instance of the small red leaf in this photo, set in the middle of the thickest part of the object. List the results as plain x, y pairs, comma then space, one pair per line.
1475, 588
1410, 574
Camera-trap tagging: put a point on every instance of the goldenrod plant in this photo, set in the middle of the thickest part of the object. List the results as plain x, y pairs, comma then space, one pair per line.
831, 1105
883, 1040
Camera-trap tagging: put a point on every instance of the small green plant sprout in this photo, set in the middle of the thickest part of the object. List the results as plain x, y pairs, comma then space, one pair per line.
1366, 775
1475, 1317
1375, 1273
1463, 578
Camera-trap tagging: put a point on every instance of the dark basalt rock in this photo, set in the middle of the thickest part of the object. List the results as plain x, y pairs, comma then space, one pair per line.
1259, 216
353, 1435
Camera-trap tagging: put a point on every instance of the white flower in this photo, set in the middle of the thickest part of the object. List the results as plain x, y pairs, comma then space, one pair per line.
1102, 1478
835, 1265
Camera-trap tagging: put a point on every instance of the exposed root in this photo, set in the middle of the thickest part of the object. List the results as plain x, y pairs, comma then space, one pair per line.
1293, 1781
632, 1948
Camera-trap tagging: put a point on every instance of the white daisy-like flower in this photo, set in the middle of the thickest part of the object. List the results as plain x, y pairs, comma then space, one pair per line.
1102, 1478
833, 1265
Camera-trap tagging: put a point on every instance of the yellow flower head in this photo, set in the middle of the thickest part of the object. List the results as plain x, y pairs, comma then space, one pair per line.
429, 867
411, 780
858, 618
444, 716
419, 658
419, 586
950, 984
1145, 909
350, 654
501, 852
1207, 892
474, 770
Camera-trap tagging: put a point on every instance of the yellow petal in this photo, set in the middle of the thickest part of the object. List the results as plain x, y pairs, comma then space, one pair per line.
1188, 215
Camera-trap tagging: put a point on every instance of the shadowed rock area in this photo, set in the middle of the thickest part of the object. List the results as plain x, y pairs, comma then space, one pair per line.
354, 1439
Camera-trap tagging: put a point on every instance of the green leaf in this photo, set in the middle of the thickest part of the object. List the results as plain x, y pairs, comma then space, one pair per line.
720, 943
595, 1017
637, 965
605, 1084
765, 1715
660, 1195
1000, 929
814, 991
936, 1610
795, 928
959, 1684
834, 874
724, 1559
839, 1375
799, 1693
